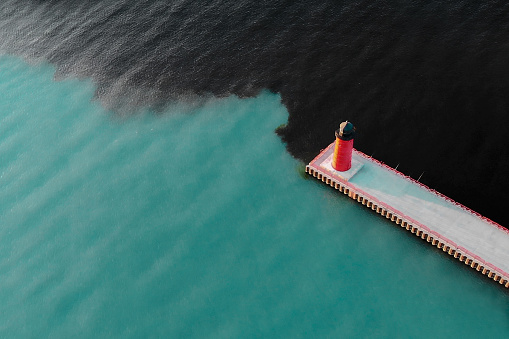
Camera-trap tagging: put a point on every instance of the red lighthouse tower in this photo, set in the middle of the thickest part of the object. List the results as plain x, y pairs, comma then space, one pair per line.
342, 159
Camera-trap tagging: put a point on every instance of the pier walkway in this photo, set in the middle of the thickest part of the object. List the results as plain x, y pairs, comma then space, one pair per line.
477, 241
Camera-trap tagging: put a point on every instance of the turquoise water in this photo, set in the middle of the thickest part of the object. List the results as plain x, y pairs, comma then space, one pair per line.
197, 223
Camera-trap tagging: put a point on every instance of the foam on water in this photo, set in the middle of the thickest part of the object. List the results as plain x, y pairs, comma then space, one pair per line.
197, 224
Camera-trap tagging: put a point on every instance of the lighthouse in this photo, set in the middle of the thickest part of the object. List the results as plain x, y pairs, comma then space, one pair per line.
342, 159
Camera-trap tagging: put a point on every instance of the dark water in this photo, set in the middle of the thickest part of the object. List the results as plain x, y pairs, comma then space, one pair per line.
425, 82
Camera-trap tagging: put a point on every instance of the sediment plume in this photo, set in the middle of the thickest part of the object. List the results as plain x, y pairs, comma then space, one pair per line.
425, 84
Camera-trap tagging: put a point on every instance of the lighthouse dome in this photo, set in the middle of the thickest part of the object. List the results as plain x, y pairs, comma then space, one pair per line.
346, 131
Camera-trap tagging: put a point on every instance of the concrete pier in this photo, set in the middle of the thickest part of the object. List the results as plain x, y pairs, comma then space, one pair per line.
460, 232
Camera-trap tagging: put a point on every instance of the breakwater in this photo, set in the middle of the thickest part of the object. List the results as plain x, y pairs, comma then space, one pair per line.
455, 229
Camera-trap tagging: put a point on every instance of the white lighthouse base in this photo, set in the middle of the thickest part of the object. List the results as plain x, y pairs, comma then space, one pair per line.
346, 175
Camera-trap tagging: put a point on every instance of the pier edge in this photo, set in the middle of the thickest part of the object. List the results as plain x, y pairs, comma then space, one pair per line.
416, 228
